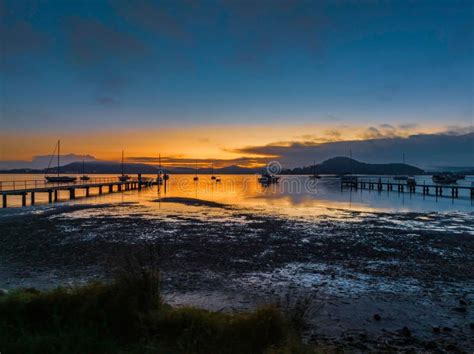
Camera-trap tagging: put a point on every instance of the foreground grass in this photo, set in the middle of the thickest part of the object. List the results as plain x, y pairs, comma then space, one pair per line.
129, 317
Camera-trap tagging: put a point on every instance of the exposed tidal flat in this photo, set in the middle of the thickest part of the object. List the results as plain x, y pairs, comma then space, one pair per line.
376, 278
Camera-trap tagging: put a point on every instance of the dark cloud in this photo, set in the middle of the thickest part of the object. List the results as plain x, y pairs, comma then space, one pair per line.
177, 161
155, 17
107, 100
93, 43
423, 150
21, 38
387, 131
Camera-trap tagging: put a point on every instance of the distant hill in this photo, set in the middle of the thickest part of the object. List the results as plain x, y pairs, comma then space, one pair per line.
105, 167
341, 165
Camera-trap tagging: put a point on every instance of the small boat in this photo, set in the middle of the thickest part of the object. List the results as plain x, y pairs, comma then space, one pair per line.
411, 182
349, 179
218, 179
159, 179
123, 177
267, 178
444, 178
166, 177
212, 172
314, 175
58, 178
84, 177
196, 178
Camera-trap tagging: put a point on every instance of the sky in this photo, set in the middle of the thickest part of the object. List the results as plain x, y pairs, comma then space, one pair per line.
238, 82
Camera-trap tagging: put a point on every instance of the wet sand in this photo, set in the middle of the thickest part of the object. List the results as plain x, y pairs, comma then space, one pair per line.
413, 270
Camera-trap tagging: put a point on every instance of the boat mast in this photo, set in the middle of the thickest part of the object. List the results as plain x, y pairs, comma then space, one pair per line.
122, 163
59, 149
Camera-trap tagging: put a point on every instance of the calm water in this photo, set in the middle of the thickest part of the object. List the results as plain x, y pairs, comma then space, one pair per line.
295, 195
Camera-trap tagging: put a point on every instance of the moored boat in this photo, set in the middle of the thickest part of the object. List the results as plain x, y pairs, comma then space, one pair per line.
84, 177
444, 178
267, 178
58, 178
123, 177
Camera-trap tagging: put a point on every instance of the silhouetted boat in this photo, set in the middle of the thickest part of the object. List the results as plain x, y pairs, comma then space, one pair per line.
123, 177
267, 178
212, 172
159, 179
218, 179
196, 178
349, 179
58, 178
315, 175
84, 177
444, 178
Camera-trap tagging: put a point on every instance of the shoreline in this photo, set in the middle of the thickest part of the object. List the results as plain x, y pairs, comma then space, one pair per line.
359, 264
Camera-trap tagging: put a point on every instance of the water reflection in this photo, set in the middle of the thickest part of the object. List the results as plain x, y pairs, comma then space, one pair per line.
293, 195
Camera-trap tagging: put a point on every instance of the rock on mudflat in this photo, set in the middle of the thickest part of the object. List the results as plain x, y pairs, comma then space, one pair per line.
460, 309
377, 317
436, 329
405, 331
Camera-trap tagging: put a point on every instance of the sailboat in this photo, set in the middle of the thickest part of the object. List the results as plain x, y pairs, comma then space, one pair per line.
58, 178
84, 177
159, 179
123, 177
196, 178
212, 172
315, 175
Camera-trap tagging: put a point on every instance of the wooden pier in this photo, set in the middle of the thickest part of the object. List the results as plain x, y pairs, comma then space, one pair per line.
437, 190
32, 187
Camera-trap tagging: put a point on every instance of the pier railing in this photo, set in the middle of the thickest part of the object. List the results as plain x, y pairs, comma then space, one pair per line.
41, 183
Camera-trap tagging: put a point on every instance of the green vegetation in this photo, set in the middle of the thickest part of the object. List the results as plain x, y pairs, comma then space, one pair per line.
128, 316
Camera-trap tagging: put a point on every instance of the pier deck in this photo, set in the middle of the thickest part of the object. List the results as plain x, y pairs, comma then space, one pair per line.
438, 190
32, 187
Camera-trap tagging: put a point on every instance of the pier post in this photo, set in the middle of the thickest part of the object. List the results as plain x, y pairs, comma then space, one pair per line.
4, 200
56, 195
50, 196
111, 188
32, 198
23, 199
87, 191
119, 187
72, 193
100, 190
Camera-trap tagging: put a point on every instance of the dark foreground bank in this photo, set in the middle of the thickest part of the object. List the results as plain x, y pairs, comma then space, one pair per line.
128, 316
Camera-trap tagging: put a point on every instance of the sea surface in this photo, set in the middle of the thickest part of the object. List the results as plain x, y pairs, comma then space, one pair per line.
237, 244
293, 195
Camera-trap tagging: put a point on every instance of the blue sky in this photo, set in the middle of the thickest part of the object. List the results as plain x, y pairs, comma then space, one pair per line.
109, 66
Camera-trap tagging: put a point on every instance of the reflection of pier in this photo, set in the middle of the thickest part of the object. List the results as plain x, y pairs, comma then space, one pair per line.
449, 191
33, 187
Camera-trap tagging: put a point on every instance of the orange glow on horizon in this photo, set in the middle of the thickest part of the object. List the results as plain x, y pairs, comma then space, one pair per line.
191, 143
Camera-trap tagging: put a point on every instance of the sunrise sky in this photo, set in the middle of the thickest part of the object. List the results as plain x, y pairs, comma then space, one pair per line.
231, 80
